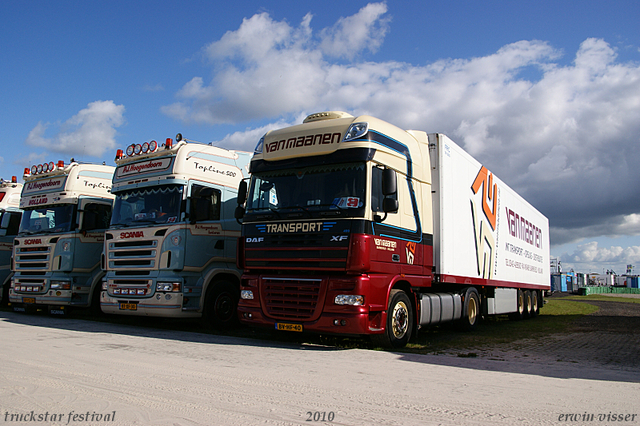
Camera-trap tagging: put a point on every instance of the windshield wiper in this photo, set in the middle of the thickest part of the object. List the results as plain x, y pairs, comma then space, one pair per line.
49, 231
136, 222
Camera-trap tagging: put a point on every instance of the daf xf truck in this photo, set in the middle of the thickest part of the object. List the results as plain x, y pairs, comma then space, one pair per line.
354, 226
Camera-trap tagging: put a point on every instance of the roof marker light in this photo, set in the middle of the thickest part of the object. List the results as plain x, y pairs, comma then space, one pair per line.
153, 145
145, 147
61, 164
169, 143
355, 131
39, 168
137, 149
259, 146
51, 166
130, 149
34, 169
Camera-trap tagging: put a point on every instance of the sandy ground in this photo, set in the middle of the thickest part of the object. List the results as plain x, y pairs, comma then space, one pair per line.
141, 376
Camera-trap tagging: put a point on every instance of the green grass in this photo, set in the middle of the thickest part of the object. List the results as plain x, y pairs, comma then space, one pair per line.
605, 298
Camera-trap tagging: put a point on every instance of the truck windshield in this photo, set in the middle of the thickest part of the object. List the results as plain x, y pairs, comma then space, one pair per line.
338, 188
147, 205
49, 219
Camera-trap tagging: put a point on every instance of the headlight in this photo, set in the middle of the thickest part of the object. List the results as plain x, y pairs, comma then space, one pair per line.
246, 295
349, 299
60, 285
166, 287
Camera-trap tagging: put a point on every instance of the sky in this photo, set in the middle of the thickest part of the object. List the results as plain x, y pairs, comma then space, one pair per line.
545, 94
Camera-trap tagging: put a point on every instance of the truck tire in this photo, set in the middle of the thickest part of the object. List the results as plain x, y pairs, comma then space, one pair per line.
519, 314
94, 307
535, 304
5, 295
400, 319
471, 310
528, 304
221, 305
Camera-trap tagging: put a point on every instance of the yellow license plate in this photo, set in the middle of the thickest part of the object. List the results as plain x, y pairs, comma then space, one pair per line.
288, 327
28, 300
129, 306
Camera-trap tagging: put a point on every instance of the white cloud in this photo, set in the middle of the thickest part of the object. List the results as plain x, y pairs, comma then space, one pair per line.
351, 35
248, 139
590, 256
90, 132
566, 140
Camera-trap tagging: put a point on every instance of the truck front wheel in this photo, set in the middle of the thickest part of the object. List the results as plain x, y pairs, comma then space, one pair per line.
399, 322
5, 295
221, 304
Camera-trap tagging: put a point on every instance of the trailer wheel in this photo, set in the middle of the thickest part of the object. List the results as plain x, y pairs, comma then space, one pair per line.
528, 304
471, 310
519, 314
221, 304
399, 322
535, 304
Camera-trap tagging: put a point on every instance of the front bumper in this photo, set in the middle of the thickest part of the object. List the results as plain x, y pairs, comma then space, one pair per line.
159, 305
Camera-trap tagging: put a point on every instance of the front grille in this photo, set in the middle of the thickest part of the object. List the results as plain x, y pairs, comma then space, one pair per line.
298, 252
292, 298
132, 254
33, 258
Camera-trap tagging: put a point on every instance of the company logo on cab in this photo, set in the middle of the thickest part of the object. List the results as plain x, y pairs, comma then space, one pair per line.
133, 234
33, 241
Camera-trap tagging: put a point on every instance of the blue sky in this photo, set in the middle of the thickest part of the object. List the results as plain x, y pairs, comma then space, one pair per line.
546, 94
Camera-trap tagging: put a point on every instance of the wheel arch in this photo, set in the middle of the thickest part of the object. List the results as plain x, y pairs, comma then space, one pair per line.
404, 285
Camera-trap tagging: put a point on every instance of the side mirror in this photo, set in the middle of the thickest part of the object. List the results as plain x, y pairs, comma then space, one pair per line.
389, 188
239, 213
390, 205
389, 182
242, 192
